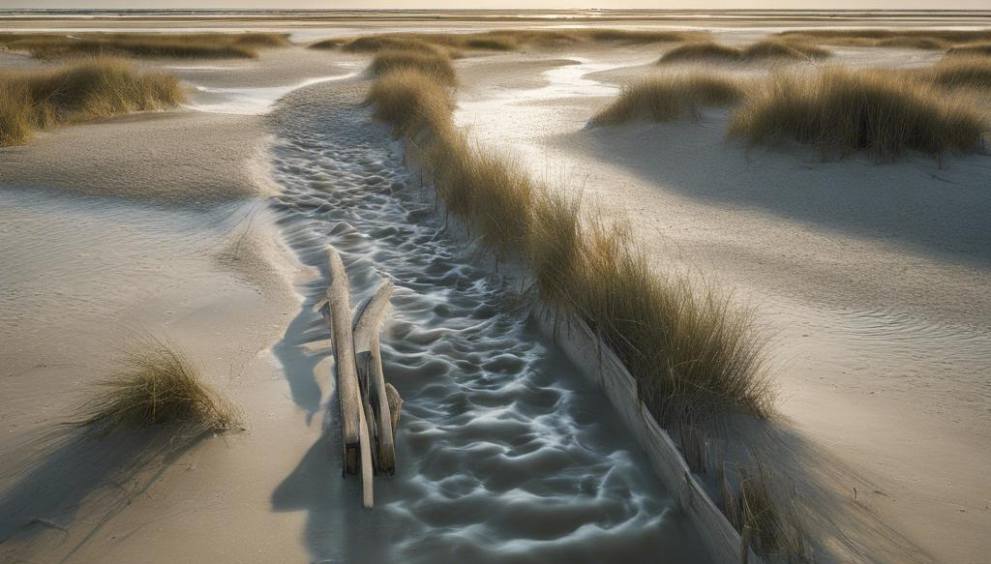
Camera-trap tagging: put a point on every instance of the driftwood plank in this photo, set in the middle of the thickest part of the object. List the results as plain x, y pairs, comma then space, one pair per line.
339, 302
367, 322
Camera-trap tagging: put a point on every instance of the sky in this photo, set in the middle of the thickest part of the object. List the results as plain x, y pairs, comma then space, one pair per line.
507, 4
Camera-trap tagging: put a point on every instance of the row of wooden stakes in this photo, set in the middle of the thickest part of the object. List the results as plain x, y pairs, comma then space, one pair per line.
369, 406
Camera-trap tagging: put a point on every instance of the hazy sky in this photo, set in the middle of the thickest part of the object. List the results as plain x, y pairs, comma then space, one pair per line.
509, 4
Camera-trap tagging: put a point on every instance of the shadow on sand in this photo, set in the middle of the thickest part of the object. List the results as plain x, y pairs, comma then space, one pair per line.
939, 209
58, 472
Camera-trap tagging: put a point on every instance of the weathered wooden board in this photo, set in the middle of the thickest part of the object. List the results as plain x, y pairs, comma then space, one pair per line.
367, 326
600, 364
339, 302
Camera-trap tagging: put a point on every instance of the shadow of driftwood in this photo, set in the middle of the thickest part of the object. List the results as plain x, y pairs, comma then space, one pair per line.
337, 528
59, 472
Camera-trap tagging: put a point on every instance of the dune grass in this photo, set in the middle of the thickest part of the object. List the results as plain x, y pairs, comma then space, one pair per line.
407, 99
961, 72
39, 99
690, 352
977, 50
670, 97
437, 65
147, 45
767, 50
932, 39
156, 386
502, 40
882, 113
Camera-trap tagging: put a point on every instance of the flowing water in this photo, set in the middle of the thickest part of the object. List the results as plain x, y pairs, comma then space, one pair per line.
506, 453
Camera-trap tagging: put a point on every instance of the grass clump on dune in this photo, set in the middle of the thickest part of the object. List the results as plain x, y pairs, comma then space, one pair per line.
435, 64
501, 40
710, 51
933, 39
689, 351
882, 113
670, 97
956, 72
157, 386
407, 99
979, 50
150, 45
39, 99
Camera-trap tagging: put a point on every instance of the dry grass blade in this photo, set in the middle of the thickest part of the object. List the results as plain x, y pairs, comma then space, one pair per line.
882, 113
670, 97
84, 90
156, 386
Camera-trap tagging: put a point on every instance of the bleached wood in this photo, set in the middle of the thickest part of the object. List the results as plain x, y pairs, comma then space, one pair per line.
365, 447
602, 366
367, 323
339, 302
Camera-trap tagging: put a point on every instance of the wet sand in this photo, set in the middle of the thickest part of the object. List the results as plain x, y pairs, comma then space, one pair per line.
204, 225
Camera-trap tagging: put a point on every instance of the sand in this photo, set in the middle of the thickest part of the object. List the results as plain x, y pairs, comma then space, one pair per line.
119, 231
871, 281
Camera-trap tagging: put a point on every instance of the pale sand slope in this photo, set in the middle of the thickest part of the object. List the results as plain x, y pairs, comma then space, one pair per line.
115, 232
871, 280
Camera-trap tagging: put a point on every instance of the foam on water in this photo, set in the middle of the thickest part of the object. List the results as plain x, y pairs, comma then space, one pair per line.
505, 453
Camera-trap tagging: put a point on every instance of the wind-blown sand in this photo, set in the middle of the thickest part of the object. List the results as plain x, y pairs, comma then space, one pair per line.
205, 228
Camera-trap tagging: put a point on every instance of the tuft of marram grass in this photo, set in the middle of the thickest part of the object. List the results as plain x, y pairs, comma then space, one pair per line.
879, 112
147, 45
408, 99
435, 64
691, 353
38, 99
157, 386
766, 50
670, 97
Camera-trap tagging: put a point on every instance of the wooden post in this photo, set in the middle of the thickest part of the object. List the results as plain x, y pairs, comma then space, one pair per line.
367, 491
339, 301
363, 360
368, 319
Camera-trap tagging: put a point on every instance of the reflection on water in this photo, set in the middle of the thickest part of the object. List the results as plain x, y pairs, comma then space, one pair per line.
505, 453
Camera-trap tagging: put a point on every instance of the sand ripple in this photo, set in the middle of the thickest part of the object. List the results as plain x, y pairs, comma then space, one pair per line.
505, 453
